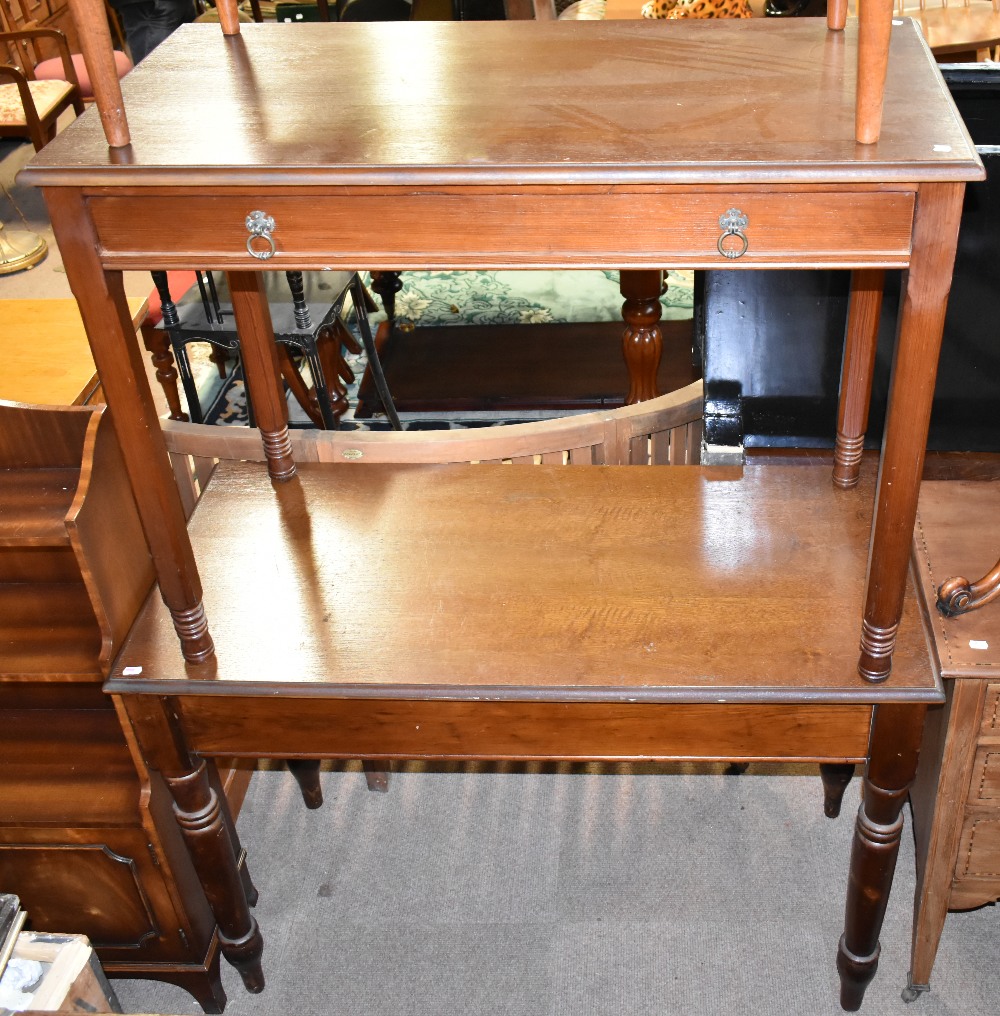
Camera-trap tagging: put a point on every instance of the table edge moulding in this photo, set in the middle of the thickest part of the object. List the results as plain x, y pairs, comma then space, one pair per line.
461, 145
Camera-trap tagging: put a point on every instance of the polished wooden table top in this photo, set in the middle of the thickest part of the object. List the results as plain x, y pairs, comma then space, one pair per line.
452, 103
615, 583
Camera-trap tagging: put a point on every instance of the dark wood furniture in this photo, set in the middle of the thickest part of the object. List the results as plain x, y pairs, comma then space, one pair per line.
86, 834
956, 796
306, 315
600, 629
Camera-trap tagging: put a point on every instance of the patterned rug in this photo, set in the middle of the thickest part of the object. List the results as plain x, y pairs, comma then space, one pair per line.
461, 298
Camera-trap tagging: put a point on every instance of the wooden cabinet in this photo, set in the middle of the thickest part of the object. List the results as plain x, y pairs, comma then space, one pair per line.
956, 797
87, 839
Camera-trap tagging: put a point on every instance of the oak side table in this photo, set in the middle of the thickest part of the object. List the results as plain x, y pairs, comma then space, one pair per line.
604, 615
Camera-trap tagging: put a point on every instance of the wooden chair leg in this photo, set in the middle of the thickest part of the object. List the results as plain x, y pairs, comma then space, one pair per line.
377, 775
835, 776
157, 343
306, 773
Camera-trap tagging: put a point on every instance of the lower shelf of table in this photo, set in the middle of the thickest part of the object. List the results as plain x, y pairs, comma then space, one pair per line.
534, 583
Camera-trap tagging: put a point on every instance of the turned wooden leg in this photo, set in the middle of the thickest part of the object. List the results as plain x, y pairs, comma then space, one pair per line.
376, 775
157, 343
892, 763
835, 776
306, 773
386, 285
121, 366
263, 376
856, 377
642, 342
935, 235
207, 828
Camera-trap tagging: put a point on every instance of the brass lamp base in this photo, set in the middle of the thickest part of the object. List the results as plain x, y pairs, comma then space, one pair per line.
19, 250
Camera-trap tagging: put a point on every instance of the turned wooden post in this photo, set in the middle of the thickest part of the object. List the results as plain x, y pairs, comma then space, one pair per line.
860, 346
921, 323
207, 828
642, 343
119, 362
892, 764
261, 370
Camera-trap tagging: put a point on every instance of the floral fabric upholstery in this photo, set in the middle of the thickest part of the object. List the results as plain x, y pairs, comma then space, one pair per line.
46, 94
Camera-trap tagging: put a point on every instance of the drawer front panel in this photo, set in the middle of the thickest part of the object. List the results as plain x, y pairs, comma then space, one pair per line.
979, 854
991, 709
985, 785
466, 229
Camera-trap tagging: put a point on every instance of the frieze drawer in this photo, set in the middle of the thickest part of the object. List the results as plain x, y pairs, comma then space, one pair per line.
472, 228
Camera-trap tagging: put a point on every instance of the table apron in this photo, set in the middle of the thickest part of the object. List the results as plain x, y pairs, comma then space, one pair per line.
470, 229
279, 727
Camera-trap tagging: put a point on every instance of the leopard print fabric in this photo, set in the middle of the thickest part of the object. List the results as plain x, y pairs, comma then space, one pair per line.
673, 9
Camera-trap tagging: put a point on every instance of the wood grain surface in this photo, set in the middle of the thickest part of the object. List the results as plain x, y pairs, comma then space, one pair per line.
603, 583
440, 103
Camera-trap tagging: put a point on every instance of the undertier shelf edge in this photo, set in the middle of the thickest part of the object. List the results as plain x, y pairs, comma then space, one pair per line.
535, 583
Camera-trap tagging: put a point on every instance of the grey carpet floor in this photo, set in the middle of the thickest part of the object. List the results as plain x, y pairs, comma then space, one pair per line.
568, 891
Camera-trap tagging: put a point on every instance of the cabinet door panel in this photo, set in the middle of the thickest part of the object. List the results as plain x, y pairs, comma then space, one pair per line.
82, 888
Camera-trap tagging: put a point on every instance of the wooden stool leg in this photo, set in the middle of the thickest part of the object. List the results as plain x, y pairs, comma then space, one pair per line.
856, 376
260, 364
835, 776
642, 342
892, 763
935, 237
306, 773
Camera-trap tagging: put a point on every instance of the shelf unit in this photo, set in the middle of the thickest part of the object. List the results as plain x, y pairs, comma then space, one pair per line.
86, 836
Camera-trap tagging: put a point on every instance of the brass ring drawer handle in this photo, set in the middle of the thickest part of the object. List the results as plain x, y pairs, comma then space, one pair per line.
260, 225
733, 223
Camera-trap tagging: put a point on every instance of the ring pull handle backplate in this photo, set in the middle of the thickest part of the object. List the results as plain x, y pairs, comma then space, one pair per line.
733, 223
260, 225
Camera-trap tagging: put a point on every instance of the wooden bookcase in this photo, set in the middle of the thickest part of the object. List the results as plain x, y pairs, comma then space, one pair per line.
86, 836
